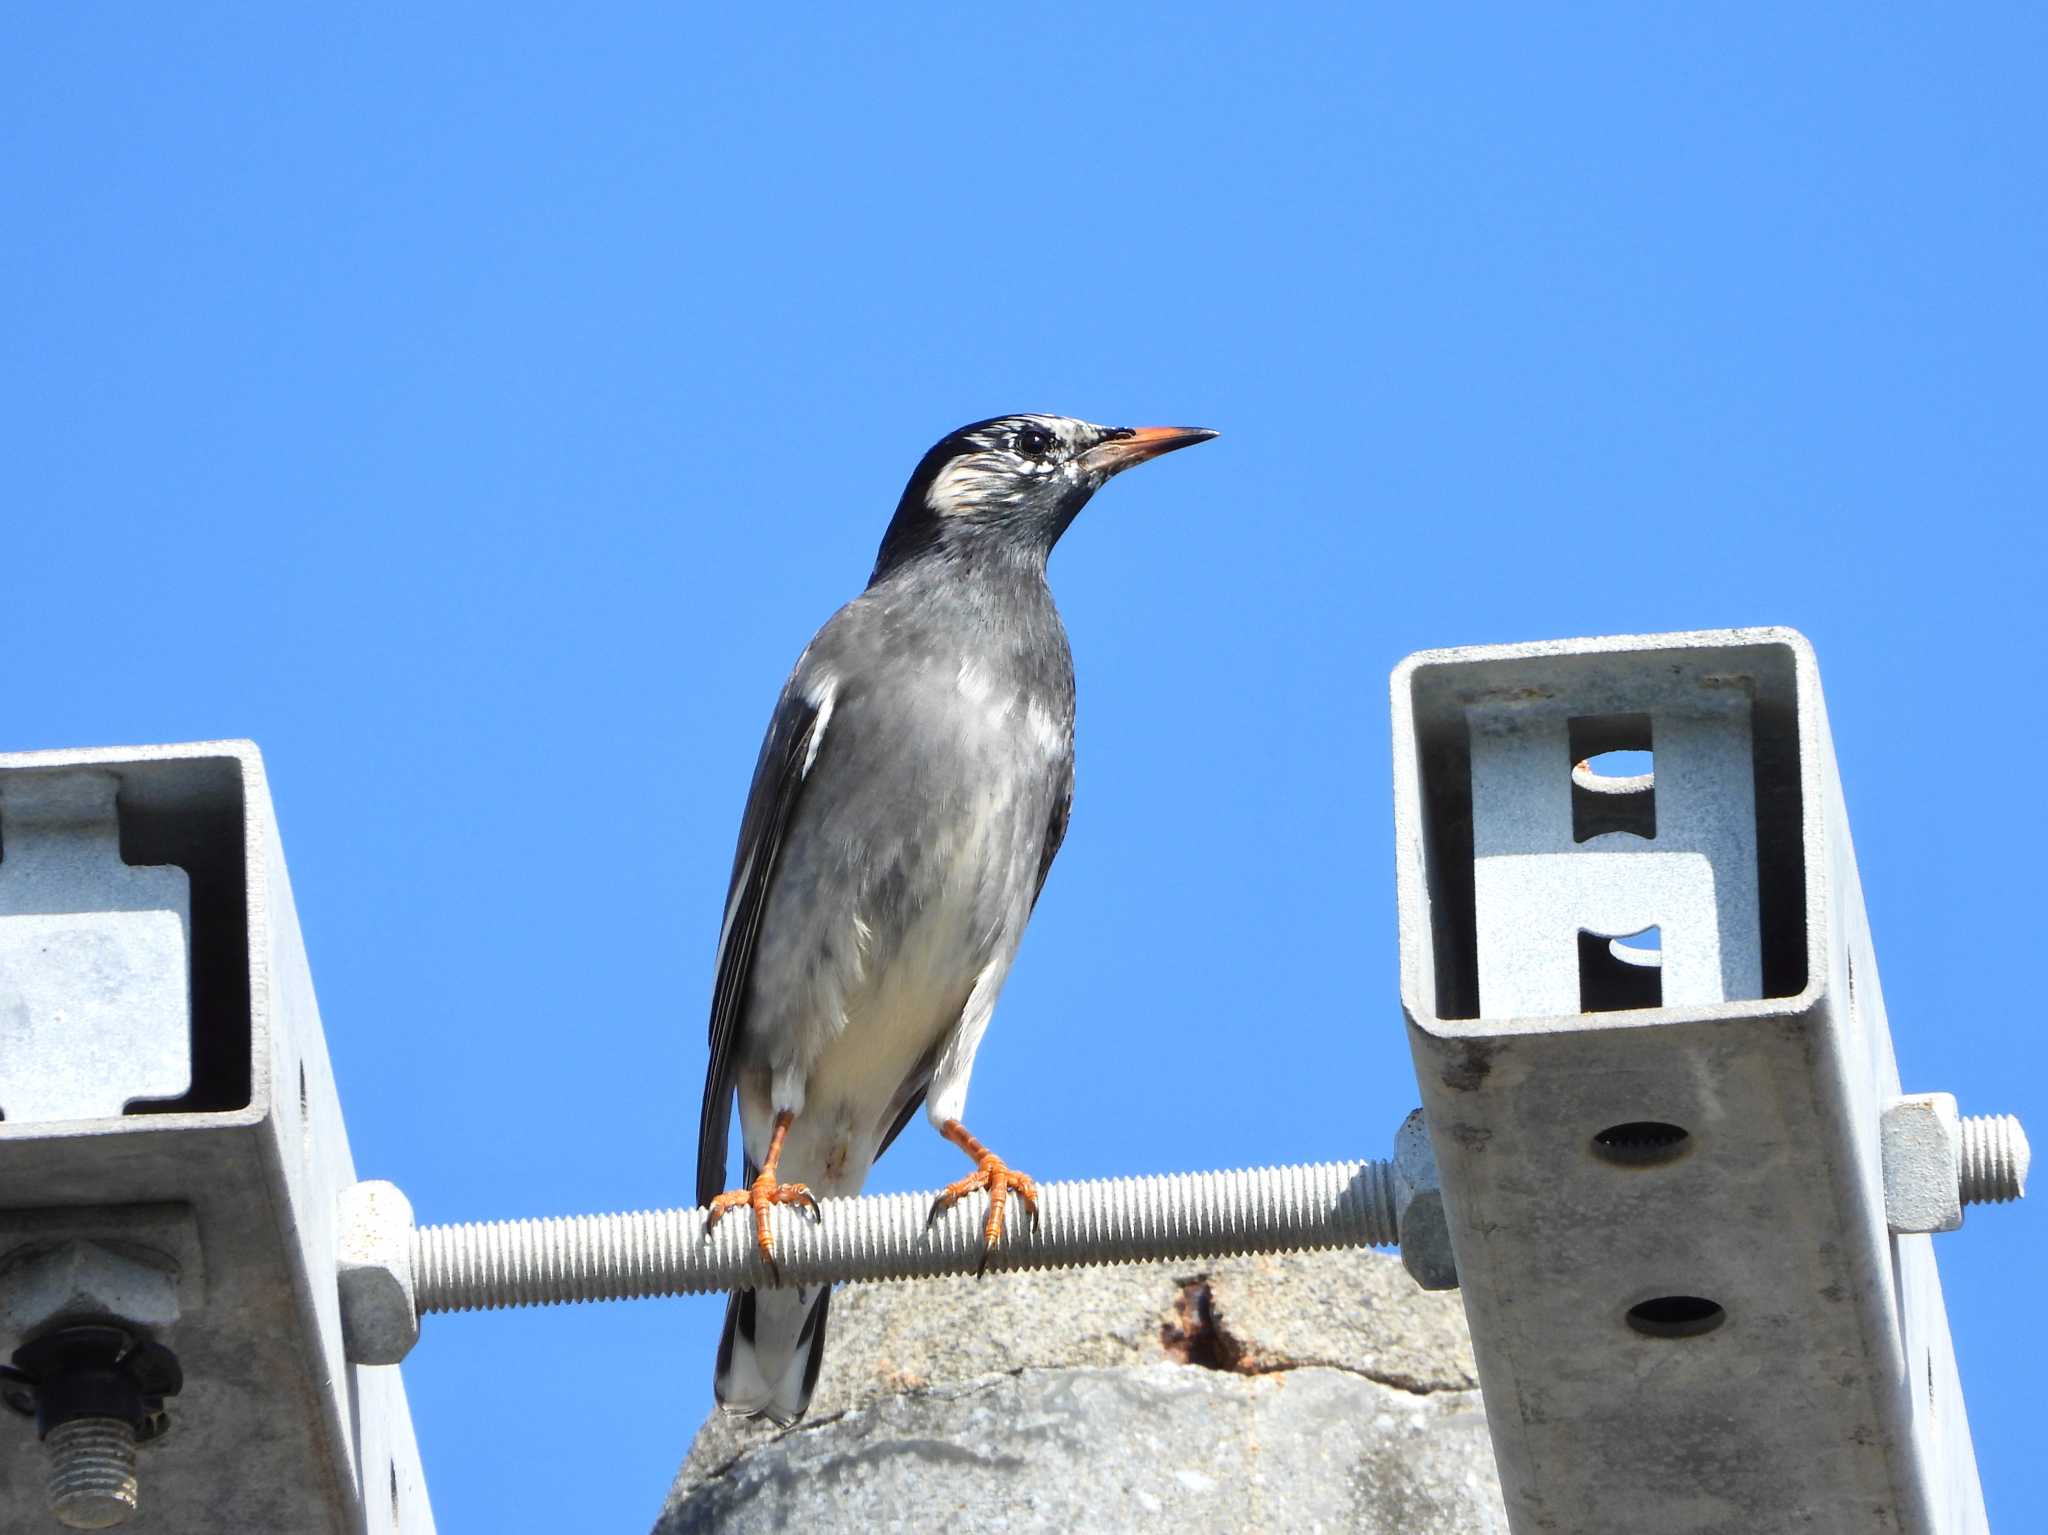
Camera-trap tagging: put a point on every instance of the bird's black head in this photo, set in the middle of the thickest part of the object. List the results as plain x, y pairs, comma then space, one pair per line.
1014, 483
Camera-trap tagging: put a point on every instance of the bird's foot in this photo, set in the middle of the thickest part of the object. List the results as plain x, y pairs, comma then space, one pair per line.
763, 1194
995, 1175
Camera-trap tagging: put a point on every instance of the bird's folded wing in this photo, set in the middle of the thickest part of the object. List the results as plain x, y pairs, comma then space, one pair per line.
787, 756
1056, 825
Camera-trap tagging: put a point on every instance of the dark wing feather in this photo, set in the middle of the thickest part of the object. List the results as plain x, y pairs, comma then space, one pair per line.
910, 1106
778, 784
1056, 828
913, 1090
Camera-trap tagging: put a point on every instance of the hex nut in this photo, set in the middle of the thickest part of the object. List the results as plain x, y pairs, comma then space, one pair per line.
1922, 1141
1419, 1208
373, 1251
76, 1279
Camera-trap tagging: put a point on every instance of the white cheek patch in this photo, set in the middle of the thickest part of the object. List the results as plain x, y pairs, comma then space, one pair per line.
958, 487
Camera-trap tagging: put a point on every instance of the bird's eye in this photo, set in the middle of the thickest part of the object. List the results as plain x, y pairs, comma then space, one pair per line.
1034, 441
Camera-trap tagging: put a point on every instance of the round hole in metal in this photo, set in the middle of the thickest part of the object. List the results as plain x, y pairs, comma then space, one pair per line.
1676, 1316
1642, 1143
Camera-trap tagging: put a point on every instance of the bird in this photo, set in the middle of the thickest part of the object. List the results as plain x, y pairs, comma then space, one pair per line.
911, 792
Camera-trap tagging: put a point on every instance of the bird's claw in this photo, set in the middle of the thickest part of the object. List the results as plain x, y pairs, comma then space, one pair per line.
762, 1195
1000, 1180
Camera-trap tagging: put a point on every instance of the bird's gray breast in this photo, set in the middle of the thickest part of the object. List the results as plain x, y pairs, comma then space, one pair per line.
911, 862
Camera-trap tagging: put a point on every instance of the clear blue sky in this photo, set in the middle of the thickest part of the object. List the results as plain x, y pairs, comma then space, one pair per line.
480, 408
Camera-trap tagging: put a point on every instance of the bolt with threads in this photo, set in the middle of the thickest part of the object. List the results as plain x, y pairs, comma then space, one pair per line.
95, 1390
1995, 1159
92, 1472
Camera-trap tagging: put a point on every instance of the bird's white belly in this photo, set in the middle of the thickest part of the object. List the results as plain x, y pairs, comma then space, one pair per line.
891, 1025
847, 1064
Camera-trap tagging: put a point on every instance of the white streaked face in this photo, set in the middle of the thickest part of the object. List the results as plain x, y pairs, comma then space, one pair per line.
1012, 459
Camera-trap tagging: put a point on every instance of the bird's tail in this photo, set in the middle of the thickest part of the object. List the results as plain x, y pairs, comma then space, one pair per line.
769, 1353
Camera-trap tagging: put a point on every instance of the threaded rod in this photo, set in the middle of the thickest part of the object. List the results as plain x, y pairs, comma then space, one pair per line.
1995, 1159
493, 1264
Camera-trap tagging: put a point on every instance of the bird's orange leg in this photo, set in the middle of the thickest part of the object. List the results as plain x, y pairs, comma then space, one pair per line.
767, 1190
991, 1172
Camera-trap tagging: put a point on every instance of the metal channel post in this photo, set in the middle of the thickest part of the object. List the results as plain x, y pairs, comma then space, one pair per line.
1687, 1200
171, 1158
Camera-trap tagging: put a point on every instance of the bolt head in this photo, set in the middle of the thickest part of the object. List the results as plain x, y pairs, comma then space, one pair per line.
79, 1280
1921, 1137
373, 1259
1419, 1208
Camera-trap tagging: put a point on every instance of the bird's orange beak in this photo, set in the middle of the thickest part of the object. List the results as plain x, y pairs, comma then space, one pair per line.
1136, 444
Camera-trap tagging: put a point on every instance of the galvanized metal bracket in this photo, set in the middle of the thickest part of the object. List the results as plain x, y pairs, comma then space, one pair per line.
172, 1149
1664, 1169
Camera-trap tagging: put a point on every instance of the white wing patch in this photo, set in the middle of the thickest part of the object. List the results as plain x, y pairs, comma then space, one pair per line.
820, 696
732, 904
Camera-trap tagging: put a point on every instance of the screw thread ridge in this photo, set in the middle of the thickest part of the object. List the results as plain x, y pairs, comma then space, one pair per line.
554, 1261
1995, 1159
92, 1472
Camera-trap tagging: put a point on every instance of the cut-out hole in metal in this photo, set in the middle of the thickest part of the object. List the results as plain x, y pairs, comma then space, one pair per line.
1644, 948
1642, 1143
1614, 784
1617, 772
1676, 1316
1618, 972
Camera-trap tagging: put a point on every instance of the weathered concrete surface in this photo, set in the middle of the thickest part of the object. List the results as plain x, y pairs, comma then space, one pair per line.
1313, 1392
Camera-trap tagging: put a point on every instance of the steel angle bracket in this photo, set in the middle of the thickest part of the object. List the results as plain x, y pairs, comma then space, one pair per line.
1653, 1055
169, 1109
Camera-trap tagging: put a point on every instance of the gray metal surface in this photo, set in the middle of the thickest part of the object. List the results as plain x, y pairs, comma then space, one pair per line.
1669, 1220
95, 978
275, 1430
1539, 885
